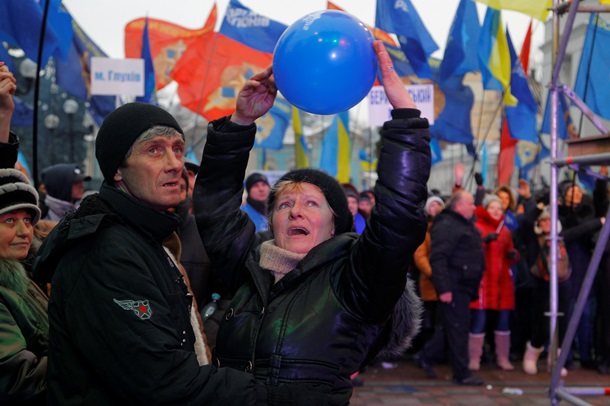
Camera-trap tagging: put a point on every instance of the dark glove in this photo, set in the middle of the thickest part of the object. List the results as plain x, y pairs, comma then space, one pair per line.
512, 254
478, 178
490, 237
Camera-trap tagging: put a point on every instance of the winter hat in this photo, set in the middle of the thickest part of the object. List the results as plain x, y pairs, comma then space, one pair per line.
254, 178
121, 128
545, 214
332, 190
59, 178
16, 193
433, 199
491, 198
350, 190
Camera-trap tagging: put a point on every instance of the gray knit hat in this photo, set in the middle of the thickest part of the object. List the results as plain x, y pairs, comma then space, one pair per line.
121, 128
332, 190
16, 193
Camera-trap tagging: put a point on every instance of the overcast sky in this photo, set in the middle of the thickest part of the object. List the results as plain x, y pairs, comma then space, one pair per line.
104, 21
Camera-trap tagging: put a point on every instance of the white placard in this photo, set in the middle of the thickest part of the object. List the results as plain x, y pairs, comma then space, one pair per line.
380, 107
117, 76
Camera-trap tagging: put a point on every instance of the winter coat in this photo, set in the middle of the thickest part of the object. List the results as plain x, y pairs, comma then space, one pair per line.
57, 209
497, 289
579, 226
24, 332
421, 258
456, 256
303, 336
120, 313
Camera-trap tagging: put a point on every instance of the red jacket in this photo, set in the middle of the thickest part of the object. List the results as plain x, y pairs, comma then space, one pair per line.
497, 289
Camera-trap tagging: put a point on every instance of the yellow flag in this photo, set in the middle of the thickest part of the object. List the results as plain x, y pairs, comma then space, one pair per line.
537, 9
344, 156
500, 66
300, 144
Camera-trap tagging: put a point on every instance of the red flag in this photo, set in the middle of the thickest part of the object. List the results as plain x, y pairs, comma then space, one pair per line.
524, 56
168, 42
508, 145
212, 71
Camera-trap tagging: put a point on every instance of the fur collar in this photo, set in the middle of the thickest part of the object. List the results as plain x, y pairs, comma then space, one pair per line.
13, 276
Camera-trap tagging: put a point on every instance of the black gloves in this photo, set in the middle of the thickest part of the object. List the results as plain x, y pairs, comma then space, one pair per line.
478, 178
490, 237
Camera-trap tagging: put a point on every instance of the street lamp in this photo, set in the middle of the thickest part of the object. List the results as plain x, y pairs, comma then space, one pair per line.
70, 108
27, 70
51, 122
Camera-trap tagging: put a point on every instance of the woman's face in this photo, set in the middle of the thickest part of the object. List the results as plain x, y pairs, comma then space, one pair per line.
434, 208
505, 199
573, 196
301, 218
545, 225
495, 210
16, 233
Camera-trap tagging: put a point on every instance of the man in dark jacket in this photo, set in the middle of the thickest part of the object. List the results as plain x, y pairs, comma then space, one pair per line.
120, 312
458, 263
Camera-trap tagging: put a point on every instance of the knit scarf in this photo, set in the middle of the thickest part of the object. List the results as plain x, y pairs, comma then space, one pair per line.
278, 260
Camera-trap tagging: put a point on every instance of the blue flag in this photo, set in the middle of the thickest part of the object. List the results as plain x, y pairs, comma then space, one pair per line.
487, 42
73, 75
21, 22
453, 123
522, 117
336, 149
435, 150
23, 115
529, 156
462, 44
510, 220
250, 28
272, 126
149, 68
565, 127
401, 18
592, 80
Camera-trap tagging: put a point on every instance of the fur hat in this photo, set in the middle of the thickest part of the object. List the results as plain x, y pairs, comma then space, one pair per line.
254, 178
332, 190
545, 214
491, 198
433, 199
121, 128
16, 193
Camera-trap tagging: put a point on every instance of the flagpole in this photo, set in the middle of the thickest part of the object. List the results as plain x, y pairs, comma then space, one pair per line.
43, 29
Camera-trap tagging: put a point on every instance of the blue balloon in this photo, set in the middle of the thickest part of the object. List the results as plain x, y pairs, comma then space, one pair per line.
325, 63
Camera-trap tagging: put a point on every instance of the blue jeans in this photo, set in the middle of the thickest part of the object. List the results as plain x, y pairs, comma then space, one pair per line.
479, 318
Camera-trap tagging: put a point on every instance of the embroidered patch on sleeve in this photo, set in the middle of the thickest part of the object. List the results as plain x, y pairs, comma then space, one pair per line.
141, 308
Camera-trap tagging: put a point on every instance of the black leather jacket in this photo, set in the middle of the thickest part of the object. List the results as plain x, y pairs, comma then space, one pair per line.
304, 336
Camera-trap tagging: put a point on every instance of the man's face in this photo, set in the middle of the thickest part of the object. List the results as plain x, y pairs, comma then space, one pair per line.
153, 171
259, 191
78, 189
465, 206
352, 205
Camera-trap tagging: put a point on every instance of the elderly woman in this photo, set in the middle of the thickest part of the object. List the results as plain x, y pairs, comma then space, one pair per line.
312, 304
24, 325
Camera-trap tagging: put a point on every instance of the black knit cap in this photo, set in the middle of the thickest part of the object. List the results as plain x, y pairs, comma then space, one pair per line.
121, 128
254, 178
332, 190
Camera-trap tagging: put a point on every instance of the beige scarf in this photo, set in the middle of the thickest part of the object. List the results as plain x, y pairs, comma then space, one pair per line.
278, 260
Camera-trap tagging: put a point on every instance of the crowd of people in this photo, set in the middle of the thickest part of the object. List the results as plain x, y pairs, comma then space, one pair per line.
102, 297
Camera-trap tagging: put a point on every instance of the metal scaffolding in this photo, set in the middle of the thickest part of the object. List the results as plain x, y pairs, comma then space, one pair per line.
557, 391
